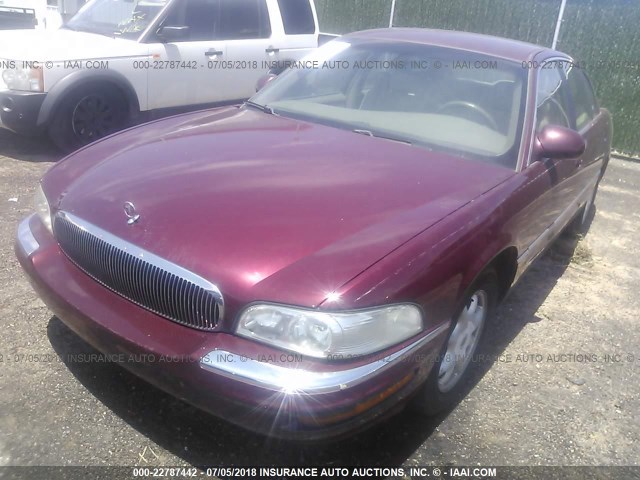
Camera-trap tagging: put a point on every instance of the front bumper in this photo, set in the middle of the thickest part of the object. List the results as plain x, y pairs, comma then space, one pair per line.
252, 385
19, 111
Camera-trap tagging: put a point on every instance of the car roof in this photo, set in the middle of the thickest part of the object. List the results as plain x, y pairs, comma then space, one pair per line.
471, 42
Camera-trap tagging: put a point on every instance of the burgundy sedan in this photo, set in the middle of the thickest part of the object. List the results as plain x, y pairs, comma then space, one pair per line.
306, 263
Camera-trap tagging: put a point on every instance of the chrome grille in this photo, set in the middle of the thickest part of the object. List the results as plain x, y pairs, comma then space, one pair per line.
139, 276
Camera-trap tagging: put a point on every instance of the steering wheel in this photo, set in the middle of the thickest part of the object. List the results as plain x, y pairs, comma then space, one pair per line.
552, 107
460, 104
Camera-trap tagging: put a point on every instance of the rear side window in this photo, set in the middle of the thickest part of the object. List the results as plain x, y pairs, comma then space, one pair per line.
584, 100
244, 19
201, 16
297, 17
552, 99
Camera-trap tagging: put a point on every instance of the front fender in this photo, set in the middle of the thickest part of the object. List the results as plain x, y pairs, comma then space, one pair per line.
56, 95
436, 267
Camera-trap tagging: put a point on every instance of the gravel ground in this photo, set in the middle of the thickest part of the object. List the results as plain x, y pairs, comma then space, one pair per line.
559, 386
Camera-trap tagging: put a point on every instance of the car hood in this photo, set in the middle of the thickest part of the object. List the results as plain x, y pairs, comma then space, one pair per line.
266, 207
62, 45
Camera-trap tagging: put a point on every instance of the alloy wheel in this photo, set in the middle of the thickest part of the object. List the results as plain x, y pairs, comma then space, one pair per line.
93, 118
463, 341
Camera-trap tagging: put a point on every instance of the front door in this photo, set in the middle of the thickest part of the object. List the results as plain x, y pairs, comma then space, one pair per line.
546, 179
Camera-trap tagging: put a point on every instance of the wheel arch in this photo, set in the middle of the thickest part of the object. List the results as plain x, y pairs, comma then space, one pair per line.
62, 88
505, 265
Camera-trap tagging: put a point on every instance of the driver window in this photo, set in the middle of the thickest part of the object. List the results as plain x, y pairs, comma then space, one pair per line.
551, 101
583, 98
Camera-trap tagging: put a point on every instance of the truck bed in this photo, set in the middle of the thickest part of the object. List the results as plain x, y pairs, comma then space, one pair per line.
17, 18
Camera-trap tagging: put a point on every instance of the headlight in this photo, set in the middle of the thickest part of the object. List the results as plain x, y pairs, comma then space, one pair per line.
330, 334
41, 206
26, 79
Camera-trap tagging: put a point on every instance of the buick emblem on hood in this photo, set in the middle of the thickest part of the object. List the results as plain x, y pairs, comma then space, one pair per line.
130, 212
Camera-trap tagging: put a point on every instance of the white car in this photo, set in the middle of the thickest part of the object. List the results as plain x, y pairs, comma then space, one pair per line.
117, 59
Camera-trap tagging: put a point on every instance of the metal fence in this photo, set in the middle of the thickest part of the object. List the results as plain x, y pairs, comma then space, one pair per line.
603, 36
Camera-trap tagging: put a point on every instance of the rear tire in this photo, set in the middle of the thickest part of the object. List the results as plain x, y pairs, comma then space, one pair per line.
453, 368
87, 114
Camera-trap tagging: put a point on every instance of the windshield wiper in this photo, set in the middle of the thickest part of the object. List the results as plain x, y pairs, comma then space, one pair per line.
369, 133
263, 108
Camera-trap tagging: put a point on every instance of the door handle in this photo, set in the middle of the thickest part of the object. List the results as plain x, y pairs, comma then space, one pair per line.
213, 53
272, 50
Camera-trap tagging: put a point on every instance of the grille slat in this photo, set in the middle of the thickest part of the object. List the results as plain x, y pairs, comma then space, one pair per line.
139, 276
147, 283
201, 304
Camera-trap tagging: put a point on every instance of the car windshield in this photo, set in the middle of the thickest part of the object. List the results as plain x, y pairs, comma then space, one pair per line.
433, 97
116, 18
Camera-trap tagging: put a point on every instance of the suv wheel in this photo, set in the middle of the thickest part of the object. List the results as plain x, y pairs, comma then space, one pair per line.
86, 115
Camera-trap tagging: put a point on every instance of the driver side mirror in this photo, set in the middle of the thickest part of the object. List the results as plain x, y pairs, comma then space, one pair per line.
558, 142
173, 33
264, 80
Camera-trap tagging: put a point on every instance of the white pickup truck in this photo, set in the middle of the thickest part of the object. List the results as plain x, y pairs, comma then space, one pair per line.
30, 14
118, 59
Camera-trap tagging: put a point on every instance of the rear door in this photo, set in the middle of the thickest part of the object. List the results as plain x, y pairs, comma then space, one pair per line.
294, 31
262, 35
299, 23
246, 30
591, 126
182, 72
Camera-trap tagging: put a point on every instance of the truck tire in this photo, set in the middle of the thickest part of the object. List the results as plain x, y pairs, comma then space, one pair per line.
87, 114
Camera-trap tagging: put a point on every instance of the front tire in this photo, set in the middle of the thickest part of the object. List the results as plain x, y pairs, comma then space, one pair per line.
87, 114
449, 379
